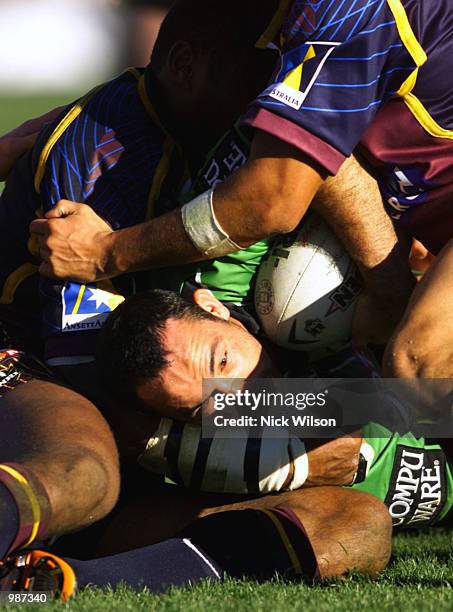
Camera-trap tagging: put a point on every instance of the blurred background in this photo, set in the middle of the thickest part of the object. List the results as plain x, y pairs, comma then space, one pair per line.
52, 51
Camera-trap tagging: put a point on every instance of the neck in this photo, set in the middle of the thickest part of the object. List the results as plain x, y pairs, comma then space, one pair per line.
159, 96
184, 127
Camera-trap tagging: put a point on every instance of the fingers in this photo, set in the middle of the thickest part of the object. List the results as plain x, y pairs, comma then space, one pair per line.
40, 227
44, 253
63, 208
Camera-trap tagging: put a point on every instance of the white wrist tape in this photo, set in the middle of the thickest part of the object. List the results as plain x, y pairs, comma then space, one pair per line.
204, 230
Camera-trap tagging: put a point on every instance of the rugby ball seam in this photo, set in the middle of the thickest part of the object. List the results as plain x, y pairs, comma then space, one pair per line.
296, 284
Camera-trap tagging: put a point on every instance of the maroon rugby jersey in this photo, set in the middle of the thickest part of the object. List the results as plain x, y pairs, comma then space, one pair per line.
377, 74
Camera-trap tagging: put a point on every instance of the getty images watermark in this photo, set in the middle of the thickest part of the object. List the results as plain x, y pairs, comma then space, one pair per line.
255, 402
326, 408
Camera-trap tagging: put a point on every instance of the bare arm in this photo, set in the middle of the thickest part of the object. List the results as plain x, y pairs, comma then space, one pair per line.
18, 141
422, 344
270, 194
352, 205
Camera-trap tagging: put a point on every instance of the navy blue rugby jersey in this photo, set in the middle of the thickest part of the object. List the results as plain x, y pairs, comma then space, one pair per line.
108, 150
373, 73
342, 60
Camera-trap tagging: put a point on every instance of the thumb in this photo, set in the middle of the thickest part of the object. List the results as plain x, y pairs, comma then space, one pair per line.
45, 269
63, 208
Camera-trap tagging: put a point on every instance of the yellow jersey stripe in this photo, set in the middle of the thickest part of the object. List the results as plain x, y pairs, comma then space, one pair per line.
419, 56
274, 26
148, 104
14, 280
406, 33
135, 72
70, 116
79, 299
411, 43
34, 504
169, 146
424, 118
286, 541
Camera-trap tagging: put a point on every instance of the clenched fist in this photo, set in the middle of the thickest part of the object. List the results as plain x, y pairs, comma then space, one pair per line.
334, 462
72, 242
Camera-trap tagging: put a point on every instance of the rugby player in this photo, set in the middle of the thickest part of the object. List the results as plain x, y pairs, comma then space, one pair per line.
110, 149
171, 348
350, 74
306, 535
58, 462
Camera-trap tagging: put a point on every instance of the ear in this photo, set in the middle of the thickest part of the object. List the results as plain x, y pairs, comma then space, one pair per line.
180, 63
208, 302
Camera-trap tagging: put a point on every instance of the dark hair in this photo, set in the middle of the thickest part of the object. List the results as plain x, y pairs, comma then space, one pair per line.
213, 26
131, 345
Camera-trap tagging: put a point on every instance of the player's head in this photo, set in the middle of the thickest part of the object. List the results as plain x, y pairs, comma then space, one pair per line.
157, 348
207, 64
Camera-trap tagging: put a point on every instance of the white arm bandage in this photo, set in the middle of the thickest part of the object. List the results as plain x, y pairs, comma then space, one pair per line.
203, 228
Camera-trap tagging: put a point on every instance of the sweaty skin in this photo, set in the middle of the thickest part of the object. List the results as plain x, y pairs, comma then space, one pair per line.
420, 347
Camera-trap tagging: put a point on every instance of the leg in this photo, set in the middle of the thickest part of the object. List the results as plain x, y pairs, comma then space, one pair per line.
347, 529
317, 533
59, 461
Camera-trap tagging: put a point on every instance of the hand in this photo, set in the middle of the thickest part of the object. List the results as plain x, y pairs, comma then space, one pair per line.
17, 142
73, 242
334, 462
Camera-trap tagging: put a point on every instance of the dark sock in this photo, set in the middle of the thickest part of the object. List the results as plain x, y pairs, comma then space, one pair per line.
175, 562
9, 520
256, 543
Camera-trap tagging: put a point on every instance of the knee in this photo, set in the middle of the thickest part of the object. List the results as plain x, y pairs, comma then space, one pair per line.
99, 477
82, 486
374, 527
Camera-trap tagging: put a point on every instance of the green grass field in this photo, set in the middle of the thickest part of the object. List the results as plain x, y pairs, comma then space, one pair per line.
17, 109
420, 576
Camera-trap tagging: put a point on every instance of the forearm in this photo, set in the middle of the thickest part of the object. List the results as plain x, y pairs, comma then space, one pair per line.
269, 195
351, 204
159, 243
421, 346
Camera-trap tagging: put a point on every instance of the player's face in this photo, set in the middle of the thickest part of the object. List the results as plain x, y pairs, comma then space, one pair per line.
205, 101
200, 349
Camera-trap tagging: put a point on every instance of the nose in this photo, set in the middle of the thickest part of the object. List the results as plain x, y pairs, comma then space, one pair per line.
222, 385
